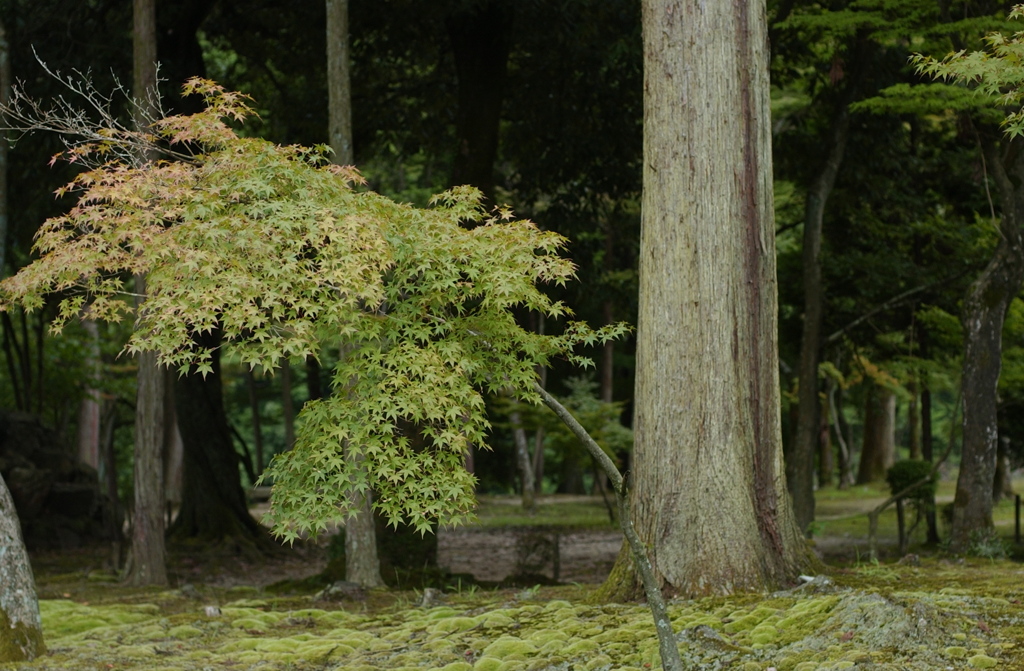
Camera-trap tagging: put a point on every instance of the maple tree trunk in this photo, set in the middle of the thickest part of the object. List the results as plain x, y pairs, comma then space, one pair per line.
21, 630
709, 494
878, 452
481, 38
800, 460
984, 313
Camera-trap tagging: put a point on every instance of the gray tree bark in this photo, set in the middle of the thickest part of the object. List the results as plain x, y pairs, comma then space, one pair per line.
708, 442
985, 306
21, 631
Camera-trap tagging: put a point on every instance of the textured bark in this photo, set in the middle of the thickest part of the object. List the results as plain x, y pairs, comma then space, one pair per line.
481, 37
879, 450
339, 87
88, 438
21, 631
709, 494
148, 555
213, 505
147, 563
800, 460
523, 461
985, 306
362, 562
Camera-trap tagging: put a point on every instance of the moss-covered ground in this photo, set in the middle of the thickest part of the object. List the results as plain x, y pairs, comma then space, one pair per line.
936, 612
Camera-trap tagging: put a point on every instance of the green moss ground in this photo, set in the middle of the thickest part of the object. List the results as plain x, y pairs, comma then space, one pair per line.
945, 613
941, 614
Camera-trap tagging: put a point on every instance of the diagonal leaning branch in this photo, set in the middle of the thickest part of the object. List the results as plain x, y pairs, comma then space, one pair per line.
670, 660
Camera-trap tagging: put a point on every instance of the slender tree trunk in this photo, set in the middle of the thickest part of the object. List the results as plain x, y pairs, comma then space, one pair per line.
88, 438
927, 448
835, 410
800, 460
362, 562
708, 439
879, 450
826, 461
21, 631
148, 555
287, 404
257, 428
523, 461
481, 37
914, 420
985, 306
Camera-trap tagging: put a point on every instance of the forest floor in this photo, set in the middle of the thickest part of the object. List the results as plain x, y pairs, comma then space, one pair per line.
928, 611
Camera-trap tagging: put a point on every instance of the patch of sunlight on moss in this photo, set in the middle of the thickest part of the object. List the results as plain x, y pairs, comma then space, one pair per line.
457, 666
546, 636
67, 618
497, 620
982, 662
184, 631
250, 624
489, 664
451, 625
509, 647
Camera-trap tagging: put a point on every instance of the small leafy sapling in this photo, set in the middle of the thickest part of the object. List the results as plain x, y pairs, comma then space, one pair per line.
284, 253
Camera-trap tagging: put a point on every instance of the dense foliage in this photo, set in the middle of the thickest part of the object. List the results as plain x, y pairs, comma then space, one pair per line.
273, 246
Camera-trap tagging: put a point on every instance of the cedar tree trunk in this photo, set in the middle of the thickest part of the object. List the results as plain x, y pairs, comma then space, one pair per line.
709, 494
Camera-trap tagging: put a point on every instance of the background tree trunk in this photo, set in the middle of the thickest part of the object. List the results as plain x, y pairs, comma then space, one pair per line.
481, 37
21, 631
88, 438
800, 460
985, 308
213, 505
708, 434
879, 450
148, 555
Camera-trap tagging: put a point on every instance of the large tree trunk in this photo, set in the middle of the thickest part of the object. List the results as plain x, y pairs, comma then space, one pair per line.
985, 306
213, 505
878, 452
21, 631
709, 494
481, 37
800, 460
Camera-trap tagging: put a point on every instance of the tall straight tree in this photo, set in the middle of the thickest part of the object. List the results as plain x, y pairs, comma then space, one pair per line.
148, 561
709, 493
362, 565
